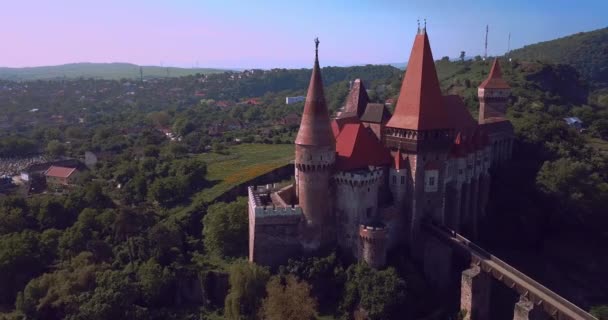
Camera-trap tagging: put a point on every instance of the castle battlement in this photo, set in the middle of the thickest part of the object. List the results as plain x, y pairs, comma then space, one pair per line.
277, 211
372, 234
359, 178
261, 203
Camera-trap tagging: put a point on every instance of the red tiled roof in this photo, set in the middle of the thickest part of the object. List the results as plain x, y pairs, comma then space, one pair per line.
459, 115
357, 99
494, 80
420, 105
59, 172
338, 123
315, 127
357, 147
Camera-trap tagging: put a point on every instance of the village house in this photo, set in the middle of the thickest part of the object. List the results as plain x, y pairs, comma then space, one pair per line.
60, 176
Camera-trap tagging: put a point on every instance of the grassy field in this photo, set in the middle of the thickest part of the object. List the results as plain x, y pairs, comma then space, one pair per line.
242, 163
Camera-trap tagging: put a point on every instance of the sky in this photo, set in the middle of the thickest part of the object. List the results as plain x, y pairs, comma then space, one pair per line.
275, 33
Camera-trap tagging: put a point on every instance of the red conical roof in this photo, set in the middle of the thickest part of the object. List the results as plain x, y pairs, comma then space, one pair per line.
420, 105
315, 127
494, 80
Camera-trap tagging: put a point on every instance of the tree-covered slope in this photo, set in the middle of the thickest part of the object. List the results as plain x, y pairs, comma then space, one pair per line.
586, 51
98, 70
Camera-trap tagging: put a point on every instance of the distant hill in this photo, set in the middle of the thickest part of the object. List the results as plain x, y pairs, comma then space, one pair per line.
586, 51
97, 70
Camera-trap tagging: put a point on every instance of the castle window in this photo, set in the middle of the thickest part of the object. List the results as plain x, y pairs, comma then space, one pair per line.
402, 179
430, 180
460, 171
368, 214
394, 179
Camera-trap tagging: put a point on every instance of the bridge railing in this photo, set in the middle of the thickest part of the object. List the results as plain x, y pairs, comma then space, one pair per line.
447, 233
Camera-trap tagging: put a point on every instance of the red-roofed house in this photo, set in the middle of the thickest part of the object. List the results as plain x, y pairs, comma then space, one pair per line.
60, 176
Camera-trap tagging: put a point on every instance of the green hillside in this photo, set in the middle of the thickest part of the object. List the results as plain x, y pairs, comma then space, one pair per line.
586, 51
97, 70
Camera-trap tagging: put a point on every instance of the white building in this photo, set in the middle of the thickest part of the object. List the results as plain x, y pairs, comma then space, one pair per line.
292, 100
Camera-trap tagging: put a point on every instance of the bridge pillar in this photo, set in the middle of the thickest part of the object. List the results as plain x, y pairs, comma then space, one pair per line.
475, 294
525, 310
437, 264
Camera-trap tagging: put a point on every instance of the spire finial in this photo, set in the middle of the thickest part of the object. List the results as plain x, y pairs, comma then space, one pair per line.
425, 24
418, 21
317, 47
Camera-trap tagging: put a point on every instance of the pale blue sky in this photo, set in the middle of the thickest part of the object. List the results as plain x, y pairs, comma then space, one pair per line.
273, 33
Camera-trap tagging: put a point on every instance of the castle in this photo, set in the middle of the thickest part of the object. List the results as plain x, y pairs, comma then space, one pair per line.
366, 180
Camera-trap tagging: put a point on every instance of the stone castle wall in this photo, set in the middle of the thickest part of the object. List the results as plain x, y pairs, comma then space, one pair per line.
273, 231
356, 202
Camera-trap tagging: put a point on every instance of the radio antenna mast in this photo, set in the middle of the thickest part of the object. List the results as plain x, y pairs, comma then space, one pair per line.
485, 55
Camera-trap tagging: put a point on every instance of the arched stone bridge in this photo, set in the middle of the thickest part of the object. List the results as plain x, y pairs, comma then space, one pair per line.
536, 301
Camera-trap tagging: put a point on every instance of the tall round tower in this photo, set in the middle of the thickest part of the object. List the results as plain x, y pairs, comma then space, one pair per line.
314, 162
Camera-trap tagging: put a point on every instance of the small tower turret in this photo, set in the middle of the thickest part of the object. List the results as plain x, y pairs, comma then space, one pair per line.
493, 95
314, 162
373, 245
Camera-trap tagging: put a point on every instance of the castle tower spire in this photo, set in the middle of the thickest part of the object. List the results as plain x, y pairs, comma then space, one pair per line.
420, 104
315, 127
314, 163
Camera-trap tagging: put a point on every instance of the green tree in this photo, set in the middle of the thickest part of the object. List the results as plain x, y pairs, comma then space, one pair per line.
20, 260
600, 312
54, 295
55, 148
247, 288
600, 128
168, 191
155, 283
114, 297
288, 299
379, 293
225, 229
182, 126
577, 186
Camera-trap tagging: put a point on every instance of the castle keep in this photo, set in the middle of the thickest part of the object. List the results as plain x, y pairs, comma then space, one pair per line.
366, 180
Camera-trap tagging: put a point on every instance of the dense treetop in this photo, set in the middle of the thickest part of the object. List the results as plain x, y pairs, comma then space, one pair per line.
586, 51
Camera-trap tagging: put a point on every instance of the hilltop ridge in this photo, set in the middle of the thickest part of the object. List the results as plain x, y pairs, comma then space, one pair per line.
109, 71
585, 51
